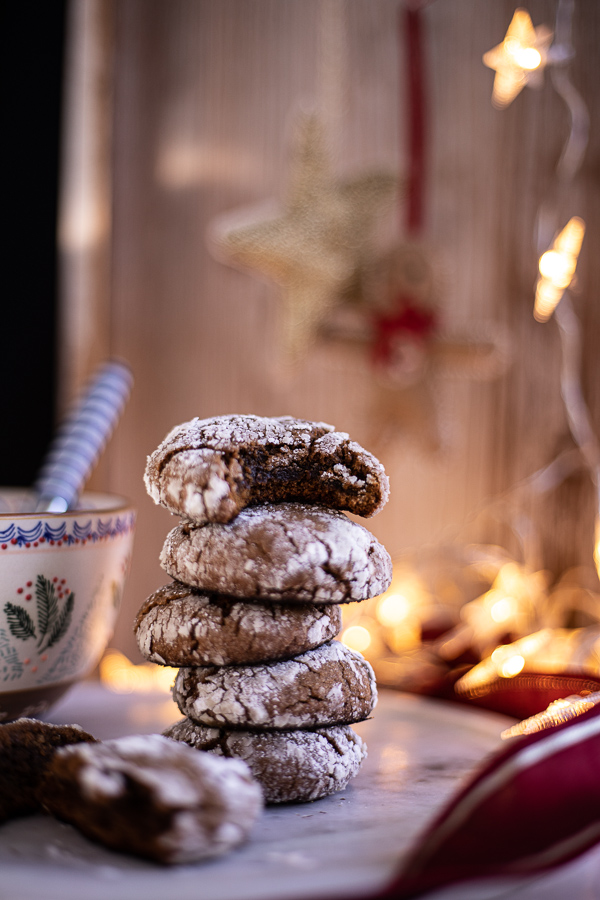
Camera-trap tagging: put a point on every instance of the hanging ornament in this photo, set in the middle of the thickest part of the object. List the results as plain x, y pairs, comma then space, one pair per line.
316, 245
394, 323
380, 307
520, 59
401, 294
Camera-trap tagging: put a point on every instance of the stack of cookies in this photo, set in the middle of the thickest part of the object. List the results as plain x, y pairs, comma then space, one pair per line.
261, 561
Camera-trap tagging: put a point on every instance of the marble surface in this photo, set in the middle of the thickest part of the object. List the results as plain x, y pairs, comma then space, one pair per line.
344, 846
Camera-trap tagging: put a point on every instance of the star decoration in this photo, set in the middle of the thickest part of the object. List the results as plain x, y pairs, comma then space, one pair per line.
520, 59
314, 247
557, 268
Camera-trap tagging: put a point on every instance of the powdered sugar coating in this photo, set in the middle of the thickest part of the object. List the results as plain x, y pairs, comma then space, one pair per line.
290, 766
178, 626
331, 685
287, 552
141, 795
209, 469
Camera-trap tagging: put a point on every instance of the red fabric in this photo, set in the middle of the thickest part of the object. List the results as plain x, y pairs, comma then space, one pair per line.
521, 814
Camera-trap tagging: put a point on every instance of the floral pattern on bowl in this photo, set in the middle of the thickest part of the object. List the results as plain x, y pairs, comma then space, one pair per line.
61, 581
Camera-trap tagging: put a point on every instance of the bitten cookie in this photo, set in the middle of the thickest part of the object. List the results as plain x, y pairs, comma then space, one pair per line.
331, 685
154, 798
26, 749
178, 626
288, 552
290, 766
209, 469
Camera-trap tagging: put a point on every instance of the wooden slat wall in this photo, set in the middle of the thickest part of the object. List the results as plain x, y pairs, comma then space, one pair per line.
205, 91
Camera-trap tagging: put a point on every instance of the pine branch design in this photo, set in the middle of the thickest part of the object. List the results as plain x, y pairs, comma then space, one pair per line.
62, 622
19, 621
53, 622
47, 605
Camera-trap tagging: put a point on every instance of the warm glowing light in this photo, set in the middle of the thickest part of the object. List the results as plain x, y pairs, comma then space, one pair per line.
597, 546
559, 704
513, 580
512, 666
499, 654
393, 609
507, 660
524, 57
519, 59
558, 711
356, 637
502, 609
557, 268
125, 677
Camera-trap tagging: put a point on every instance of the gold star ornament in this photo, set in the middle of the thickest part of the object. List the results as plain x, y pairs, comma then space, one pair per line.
315, 245
520, 59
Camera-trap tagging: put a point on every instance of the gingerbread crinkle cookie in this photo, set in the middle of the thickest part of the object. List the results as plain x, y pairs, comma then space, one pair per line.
326, 686
207, 470
154, 798
290, 766
287, 552
180, 626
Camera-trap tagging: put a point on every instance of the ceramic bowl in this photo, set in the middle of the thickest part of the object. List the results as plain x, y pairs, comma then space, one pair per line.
61, 581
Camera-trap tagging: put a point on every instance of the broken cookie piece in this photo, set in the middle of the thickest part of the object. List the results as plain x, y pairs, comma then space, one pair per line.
152, 797
26, 749
181, 626
207, 470
326, 686
290, 766
287, 552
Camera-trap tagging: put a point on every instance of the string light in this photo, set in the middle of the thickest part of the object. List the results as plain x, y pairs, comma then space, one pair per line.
512, 60
520, 59
124, 677
356, 637
403, 633
557, 268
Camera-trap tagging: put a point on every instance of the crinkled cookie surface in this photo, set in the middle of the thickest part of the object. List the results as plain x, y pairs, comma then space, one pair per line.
207, 470
179, 626
152, 797
287, 552
290, 766
330, 685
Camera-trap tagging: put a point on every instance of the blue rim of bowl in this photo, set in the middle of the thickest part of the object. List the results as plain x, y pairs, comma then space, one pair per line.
114, 520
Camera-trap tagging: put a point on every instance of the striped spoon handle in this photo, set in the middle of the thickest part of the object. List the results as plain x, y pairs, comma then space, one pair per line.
82, 437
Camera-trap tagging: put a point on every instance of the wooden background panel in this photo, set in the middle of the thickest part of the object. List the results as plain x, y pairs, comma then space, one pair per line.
205, 92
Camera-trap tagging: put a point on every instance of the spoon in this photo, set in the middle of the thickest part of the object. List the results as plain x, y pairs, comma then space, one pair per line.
81, 438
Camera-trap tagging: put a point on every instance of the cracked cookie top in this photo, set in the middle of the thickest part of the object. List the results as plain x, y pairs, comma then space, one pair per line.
152, 797
287, 552
290, 766
180, 626
207, 470
331, 685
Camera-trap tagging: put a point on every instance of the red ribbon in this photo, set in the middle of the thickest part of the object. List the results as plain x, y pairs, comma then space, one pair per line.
411, 32
408, 319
